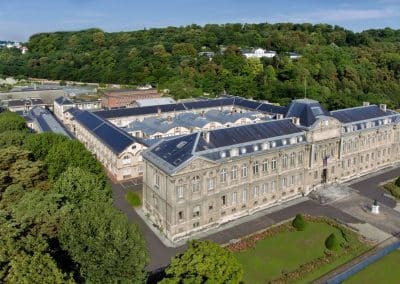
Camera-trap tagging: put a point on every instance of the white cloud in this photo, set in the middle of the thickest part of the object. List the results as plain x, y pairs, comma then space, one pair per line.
343, 15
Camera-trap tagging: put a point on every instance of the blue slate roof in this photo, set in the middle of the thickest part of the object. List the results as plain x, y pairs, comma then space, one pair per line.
247, 133
113, 137
307, 110
225, 101
175, 152
46, 121
360, 113
63, 101
254, 105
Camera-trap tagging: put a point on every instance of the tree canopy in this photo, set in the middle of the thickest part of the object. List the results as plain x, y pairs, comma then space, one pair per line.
48, 225
204, 262
342, 68
108, 248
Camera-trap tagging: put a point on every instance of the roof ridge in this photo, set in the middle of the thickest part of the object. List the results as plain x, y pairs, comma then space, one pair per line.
356, 107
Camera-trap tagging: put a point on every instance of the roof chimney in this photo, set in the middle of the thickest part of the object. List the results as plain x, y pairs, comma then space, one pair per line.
296, 121
365, 104
382, 107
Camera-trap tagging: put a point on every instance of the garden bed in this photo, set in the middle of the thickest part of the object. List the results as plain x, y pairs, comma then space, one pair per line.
282, 254
393, 189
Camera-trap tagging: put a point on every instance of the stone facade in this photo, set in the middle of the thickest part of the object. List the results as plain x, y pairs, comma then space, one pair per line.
205, 192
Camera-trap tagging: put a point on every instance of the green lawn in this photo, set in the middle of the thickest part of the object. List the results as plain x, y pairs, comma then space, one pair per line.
386, 270
288, 250
133, 199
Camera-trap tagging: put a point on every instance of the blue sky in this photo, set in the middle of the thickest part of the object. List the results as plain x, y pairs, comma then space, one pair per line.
21, 18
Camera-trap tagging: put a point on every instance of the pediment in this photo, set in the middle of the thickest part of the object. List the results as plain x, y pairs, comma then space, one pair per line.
195, 164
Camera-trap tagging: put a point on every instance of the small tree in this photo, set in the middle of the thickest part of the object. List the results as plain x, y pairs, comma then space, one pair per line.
204, 262
332, 243
299, 223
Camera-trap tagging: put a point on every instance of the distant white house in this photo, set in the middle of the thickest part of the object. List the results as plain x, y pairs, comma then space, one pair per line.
259, 53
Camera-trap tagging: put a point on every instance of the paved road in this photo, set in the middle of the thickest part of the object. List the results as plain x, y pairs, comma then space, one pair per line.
369, 187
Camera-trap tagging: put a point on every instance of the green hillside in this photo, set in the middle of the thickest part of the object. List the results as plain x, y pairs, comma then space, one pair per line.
342, 68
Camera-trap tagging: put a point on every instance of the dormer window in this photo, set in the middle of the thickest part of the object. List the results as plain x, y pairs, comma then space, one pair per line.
234, 152
255, 148
265, 146
273, 144
300, 139
243, 150
181, 144
222, 154
284, 141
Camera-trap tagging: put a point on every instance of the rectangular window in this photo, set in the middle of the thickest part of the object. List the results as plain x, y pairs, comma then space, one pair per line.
244, 195
180, 215
179, 192
255, 191
284, 161
284, 183
273, 164
292, 180
315, 174
211, 183
265, 166
157, 181
223, 176
264, 189
292, 159
244, 171
300, 158
234, 172
223, 200
196, 211
234, 198
273, 186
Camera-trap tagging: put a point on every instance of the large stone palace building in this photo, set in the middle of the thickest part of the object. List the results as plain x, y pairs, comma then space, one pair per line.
106, 133
201, 180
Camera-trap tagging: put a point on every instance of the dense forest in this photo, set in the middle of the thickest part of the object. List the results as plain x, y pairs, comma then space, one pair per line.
341, 67
57, 220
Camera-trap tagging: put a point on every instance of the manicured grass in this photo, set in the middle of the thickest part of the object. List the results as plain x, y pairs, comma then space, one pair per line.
386, 270
393, 189
133, 199
286, 251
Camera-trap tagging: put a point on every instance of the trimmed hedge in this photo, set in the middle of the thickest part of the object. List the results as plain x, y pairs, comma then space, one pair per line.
299, 223
332, 242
